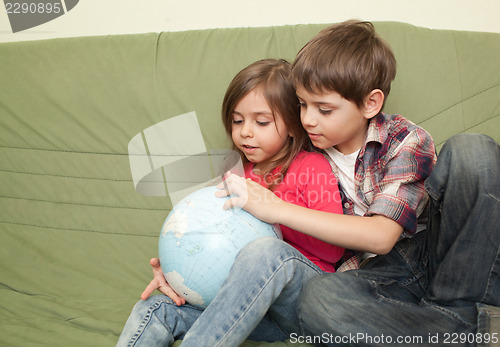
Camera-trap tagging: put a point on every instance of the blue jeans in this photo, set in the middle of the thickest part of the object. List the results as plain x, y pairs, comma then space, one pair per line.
428, 289
256, 301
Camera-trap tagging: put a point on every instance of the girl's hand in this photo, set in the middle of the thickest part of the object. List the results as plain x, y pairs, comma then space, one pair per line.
161, 284
251, 196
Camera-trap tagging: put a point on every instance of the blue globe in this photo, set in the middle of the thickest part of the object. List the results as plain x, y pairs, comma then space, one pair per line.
199, 242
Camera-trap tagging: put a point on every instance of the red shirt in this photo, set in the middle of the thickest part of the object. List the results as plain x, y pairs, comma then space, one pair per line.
309, 182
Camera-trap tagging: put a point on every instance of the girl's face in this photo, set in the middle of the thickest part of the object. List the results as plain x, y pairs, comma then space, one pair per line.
262, 137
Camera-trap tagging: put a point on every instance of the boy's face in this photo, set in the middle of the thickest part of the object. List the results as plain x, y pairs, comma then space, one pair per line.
330, 120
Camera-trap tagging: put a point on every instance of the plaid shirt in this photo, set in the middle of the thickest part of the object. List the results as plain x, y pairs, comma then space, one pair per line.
396, 158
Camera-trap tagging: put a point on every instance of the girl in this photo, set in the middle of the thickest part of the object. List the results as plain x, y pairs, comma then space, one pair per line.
260, 112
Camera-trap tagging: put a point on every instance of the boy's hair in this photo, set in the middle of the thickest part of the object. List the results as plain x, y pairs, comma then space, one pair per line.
348, 58
273, 77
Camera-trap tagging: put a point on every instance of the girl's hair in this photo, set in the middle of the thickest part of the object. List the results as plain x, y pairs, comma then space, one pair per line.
273, 77
348, 58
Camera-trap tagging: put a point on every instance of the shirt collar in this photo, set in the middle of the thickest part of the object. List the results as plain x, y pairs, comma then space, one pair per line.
376, 131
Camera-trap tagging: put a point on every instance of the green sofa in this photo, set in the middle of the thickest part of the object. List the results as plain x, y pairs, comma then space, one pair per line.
75, 235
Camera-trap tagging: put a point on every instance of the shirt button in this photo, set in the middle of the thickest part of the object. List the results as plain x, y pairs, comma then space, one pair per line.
346, 205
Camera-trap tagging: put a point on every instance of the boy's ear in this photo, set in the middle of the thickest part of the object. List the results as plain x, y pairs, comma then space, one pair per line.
373, 103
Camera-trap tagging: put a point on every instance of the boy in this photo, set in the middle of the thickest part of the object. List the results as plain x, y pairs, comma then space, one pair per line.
423, 285
428, 284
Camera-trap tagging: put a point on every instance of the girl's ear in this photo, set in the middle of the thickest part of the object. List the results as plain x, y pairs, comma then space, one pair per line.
373, 103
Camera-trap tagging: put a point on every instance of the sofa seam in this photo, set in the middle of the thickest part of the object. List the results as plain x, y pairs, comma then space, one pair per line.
82, 204
75, 229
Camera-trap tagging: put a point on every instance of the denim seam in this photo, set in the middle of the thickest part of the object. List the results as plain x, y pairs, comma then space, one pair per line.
220, 343
401, 303
493, 197
447, 312
417, 275
431, 191
145, 321
381, 297
488, 283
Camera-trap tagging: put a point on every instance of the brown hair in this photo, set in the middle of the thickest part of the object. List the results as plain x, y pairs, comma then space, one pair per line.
348, 58
274, 78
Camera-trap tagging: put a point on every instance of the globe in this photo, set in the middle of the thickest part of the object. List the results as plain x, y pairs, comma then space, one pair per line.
199, 241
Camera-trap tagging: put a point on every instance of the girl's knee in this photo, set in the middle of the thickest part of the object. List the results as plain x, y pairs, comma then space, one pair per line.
265, 252
261, 247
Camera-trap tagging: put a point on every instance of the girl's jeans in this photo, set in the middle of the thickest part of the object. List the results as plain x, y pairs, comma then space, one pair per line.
428, 290
258, 298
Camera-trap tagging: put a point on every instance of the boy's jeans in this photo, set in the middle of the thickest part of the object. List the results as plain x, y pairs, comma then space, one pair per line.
266, 272
427, 290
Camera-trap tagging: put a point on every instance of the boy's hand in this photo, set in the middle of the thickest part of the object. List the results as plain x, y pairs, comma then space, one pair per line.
251, 196
159, 282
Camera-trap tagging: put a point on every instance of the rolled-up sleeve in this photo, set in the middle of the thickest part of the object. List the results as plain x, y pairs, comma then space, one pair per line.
400, 195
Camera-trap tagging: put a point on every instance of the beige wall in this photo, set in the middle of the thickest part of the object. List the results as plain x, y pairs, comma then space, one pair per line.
103, 17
